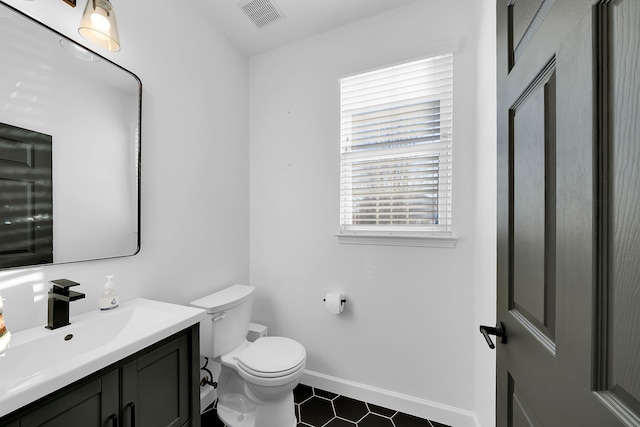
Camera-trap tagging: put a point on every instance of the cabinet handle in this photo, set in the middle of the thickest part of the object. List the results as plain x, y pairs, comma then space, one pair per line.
114, 420
132, 407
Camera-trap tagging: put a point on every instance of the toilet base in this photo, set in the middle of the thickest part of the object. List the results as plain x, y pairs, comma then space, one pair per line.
232, 418
235, 413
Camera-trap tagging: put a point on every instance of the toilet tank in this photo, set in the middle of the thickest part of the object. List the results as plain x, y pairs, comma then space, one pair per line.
227, 321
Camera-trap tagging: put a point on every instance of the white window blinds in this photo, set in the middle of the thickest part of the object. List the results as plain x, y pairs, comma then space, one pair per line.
396, 148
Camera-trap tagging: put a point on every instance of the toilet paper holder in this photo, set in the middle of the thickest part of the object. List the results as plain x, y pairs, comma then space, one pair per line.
342, 300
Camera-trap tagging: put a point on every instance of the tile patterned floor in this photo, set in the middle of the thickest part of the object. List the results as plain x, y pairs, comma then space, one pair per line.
319, 408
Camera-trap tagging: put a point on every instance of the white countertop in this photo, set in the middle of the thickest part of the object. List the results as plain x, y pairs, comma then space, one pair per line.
40, 361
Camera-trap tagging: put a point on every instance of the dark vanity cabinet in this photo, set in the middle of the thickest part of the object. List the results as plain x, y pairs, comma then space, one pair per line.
155, 387
93, 402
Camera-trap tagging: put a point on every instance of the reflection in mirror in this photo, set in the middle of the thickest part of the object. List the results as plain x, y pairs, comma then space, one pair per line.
69, 149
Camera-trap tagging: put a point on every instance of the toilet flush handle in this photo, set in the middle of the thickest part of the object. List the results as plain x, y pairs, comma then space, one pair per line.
220, 316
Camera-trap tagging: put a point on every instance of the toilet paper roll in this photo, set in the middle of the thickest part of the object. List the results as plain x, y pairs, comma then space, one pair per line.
333, 303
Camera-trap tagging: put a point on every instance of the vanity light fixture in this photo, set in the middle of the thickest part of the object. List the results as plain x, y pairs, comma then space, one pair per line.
98, 25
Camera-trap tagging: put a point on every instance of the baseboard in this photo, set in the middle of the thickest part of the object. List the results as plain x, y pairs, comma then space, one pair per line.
422, 408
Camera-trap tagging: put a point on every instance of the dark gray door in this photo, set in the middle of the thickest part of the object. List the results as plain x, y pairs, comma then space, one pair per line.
569, 213
26, 200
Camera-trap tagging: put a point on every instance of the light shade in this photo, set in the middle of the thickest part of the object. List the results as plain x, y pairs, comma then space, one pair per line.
98, 25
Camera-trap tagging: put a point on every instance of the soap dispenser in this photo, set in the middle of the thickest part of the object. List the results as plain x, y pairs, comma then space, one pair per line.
5, 335
109, 297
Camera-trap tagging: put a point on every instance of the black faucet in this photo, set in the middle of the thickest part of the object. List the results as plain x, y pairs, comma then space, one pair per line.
59, 298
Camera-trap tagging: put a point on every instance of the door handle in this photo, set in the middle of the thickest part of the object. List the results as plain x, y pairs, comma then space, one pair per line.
498, 331
114, 420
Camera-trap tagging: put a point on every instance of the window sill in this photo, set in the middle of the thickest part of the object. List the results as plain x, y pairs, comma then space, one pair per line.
396, 239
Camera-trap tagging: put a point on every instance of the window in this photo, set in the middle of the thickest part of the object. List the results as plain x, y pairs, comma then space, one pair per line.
396, 150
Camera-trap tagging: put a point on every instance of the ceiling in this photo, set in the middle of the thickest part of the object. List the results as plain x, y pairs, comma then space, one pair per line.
301, 19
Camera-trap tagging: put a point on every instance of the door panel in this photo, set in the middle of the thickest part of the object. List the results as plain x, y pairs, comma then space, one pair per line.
525, 18
523, 13
533, 146
623, 206
569, 213
519, 414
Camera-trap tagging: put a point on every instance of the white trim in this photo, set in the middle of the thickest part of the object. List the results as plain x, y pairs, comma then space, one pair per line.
389, 399
400, 56
347, 237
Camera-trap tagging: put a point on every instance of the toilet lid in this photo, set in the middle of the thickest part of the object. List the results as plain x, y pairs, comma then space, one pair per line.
272, 356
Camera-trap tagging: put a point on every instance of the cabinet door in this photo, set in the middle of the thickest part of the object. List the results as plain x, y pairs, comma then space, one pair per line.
93, 404
155, 387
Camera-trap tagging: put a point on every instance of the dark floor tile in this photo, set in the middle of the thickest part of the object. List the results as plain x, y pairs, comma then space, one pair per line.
320, 408
301, 393
316, 411
381, 411
337, 422
325, 394
373, 420
406, 420
348, 408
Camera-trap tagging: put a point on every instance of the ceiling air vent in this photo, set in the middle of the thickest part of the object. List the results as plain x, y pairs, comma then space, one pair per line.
261, 12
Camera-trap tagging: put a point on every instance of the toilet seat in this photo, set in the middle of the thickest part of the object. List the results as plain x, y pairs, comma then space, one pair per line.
267, 375
272, 357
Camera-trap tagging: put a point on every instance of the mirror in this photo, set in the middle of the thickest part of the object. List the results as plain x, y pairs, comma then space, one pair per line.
69, 149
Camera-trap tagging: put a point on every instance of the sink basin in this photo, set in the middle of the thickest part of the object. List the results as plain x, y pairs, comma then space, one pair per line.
40, 361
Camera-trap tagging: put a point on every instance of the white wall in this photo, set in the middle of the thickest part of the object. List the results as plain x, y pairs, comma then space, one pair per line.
409, 327
485, 226
409, 334
195, 171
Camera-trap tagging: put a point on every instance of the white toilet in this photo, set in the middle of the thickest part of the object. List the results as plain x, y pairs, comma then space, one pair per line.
255, 387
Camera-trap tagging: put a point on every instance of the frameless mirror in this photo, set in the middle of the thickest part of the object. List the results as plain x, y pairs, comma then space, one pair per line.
69, 149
